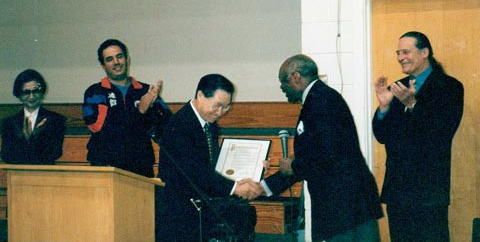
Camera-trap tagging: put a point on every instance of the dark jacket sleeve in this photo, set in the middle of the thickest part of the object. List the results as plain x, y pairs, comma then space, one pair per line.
7, 140
158, 114
53, 139
95, 109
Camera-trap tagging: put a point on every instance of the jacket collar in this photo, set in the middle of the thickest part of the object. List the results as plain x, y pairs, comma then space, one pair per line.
105, 83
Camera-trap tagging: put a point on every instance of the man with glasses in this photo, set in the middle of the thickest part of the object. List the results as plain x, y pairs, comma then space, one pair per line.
188, 156
122, 114
344, 196
34, 135
416, 119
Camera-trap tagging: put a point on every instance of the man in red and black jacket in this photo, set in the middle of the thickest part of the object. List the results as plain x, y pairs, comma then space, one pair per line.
122, 114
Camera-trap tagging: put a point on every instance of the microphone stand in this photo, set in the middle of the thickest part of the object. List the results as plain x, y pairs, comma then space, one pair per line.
283, 135
203, 198
198, 205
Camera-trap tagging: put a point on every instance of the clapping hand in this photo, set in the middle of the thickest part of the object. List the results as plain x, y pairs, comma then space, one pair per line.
384, 96
148, 98
404, 94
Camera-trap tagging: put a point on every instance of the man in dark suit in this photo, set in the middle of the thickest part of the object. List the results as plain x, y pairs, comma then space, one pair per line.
188, 155
344, 195
34, 135
416, 119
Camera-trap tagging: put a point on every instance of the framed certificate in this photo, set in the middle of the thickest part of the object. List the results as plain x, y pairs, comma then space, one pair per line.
242, 158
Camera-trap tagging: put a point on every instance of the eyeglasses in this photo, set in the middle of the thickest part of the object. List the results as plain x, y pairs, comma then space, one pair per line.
223, 108
36, 91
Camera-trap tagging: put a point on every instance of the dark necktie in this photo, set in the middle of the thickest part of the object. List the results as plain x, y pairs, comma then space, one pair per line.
27, 127
211, 147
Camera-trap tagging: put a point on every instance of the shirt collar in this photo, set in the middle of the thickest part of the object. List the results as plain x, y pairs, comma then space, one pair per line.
307, 90
31, 115
420, 79
200, 119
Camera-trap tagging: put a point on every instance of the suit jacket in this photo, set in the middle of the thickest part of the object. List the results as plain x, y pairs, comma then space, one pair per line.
328, 156
44, 145
418, 143
184, 156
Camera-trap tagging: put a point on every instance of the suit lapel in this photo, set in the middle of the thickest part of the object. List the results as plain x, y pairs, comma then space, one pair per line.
41, 118
429, 84
314, 91
194, 123
300, 127
199, 135
18, 123
197, 130
40, 122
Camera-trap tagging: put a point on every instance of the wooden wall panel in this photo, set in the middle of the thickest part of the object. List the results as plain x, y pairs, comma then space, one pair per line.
452, 27
242, 115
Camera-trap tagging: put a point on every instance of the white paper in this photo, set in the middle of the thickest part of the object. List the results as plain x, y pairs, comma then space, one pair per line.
242, 158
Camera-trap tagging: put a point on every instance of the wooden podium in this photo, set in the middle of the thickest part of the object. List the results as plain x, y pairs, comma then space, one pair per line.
79, 203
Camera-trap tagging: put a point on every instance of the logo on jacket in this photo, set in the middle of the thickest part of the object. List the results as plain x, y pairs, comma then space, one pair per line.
112, 99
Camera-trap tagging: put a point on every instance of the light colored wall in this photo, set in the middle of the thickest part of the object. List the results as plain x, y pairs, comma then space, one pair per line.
177, 41
336, 34
338, 31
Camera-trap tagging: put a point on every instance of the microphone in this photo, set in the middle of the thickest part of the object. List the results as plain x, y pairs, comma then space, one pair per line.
283, 135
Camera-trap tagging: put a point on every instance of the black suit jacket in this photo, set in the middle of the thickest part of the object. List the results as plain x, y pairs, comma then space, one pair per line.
44, 145
328, 156
185, 142
419, 142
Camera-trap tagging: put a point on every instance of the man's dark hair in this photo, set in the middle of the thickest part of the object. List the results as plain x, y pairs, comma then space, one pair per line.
28, 76
423, 42
208, 84
107, 43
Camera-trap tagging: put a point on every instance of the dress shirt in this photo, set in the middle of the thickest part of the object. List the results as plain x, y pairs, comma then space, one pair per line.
32, 116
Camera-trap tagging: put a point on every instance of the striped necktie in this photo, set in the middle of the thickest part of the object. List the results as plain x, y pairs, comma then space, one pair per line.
208, 134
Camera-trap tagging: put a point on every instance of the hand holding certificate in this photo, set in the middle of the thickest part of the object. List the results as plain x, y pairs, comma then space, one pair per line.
242, 158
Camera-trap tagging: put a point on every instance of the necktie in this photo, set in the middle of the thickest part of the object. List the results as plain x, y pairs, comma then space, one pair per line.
208, 134
27, 127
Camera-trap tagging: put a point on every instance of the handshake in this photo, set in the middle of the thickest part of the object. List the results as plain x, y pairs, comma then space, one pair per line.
248, 189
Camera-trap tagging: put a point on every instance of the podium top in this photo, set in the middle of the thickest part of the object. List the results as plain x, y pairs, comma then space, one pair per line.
98, 169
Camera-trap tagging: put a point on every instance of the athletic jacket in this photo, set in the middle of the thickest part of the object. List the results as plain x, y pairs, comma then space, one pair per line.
120, 134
